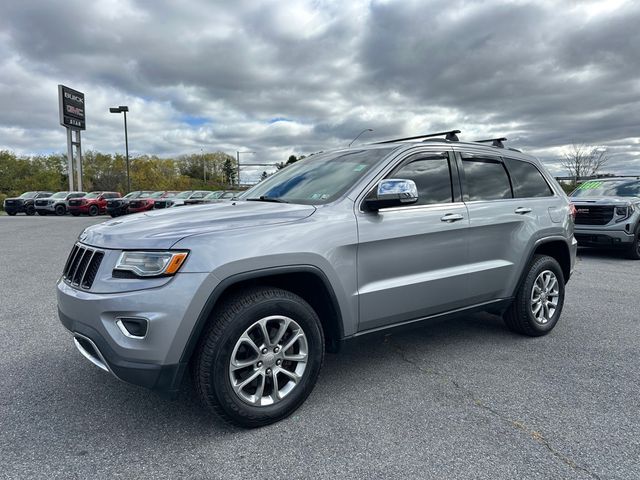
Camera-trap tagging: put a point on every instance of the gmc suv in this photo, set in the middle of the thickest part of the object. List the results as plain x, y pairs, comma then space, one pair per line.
248, 294
24, 203
608, 214
56, 203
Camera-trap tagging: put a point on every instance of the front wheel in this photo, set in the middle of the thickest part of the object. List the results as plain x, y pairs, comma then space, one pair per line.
260, 357
634, 251
539, 300
60, 210
93, 211
30, 210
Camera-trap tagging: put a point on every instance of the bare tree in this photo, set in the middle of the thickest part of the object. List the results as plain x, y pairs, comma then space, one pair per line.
584, 160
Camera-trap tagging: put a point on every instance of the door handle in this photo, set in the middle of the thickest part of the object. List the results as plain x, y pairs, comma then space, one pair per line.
451, 217
522, 210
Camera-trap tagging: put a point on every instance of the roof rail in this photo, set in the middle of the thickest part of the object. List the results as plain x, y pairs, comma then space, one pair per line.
450, 135
496, 142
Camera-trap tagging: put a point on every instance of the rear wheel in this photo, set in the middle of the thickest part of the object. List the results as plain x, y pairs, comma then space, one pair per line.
60, 210
30, 210
260, 357
93, 210
634, 252
539, 300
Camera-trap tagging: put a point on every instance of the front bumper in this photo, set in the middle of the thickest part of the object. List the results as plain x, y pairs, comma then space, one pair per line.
154, 361
603, 238
46, 208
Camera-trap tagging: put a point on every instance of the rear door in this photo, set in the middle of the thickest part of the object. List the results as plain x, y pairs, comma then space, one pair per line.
412, 259
502, 226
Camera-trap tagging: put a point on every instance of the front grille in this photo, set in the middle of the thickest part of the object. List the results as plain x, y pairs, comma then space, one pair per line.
9, 202
135, 204
159, 204
74, 202
82, 266
593, 214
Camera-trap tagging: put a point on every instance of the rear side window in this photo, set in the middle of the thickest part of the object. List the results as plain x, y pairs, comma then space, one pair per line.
527, 180
485, 179
432, 176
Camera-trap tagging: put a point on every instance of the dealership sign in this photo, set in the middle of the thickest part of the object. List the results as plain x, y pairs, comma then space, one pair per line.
71, 108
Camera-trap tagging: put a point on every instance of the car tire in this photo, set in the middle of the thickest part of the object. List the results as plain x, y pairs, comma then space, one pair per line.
30, 210
42, 212
60, 210
634, 251
218, 379
93, 211
538, 304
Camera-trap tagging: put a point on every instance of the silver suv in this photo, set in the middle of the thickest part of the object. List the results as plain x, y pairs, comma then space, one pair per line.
247, 295
608, 214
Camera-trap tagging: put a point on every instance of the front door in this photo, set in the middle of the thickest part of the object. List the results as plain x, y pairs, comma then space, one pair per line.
412, 259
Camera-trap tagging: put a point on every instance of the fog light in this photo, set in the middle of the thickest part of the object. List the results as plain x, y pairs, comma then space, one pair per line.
133, 327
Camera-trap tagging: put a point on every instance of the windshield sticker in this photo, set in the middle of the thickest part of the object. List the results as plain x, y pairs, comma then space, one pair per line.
589, 185
359, 168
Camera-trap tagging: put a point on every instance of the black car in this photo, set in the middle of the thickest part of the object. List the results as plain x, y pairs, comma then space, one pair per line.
24, 203
119, 206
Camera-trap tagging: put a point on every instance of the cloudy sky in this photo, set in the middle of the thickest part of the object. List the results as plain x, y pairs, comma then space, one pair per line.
298, 76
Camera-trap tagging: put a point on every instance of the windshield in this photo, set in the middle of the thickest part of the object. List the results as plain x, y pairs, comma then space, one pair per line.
184, 194
229, 195
170, 194
132, 195
317, 179
60, 195
92, 195
610, 188
156, 194
214, 195
28, 195
145, 194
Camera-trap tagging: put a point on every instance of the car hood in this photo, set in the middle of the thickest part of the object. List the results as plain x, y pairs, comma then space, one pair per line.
615, 201
163, 228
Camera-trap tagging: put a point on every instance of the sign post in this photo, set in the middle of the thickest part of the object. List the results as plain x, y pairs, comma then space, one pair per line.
72, 117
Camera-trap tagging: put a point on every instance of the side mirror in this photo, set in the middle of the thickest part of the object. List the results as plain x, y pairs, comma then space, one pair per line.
392, 192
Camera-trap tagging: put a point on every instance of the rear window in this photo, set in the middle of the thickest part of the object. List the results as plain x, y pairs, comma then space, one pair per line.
527, 180
485, 179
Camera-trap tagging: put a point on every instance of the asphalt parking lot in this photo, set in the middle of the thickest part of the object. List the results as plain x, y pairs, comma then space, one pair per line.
462, 399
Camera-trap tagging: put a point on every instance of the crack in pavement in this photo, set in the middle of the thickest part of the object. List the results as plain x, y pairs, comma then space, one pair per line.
534, 434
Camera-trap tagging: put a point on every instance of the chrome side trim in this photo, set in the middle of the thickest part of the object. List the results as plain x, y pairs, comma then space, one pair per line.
99, 362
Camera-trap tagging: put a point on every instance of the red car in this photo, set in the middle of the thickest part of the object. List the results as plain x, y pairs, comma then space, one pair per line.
92, 204
144, 203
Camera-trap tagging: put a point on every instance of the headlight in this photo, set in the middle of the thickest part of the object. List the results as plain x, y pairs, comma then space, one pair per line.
622, 213
151, 264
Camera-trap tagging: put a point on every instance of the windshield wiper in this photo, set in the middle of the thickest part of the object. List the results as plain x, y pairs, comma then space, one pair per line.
264, 198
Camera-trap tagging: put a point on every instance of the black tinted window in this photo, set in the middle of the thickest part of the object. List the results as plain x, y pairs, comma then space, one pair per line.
527, 180
485, 179
432, 176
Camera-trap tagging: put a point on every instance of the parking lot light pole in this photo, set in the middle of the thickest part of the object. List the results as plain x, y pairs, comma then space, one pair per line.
124, 109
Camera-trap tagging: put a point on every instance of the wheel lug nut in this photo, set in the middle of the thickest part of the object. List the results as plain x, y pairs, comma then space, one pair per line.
264, 350
278, 362
276, 350
259, 364
268, 371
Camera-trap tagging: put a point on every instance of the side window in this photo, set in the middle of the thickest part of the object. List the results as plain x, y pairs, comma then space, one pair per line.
198, 195
485, 179
527, 180
432, 176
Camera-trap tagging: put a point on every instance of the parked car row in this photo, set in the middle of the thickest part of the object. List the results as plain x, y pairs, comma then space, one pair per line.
111, 203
